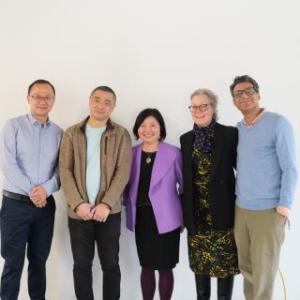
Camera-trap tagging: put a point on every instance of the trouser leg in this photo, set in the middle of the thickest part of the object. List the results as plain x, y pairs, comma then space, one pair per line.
107, 239
242, 239
15, 220
267, 236
82, 234
39, 244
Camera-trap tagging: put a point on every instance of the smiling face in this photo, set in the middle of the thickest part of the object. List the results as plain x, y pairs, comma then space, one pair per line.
149, 131
245, 98
41, 100
102, 105
201, 110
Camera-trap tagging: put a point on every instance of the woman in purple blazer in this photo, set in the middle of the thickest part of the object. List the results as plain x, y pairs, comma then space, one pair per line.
153, 204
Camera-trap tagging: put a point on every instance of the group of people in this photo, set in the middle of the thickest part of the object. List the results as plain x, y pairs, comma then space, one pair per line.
230, 187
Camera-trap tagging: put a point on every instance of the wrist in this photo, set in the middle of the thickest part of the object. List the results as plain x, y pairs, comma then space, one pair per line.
77, 207
105, 204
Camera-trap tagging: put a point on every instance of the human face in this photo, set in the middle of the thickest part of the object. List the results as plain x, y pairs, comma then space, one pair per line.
201, 110
149, 131
41, 100
245, 98
102, 105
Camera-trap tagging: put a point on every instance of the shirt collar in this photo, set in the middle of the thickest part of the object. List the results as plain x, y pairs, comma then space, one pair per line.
35, 122
258, 117
109, 124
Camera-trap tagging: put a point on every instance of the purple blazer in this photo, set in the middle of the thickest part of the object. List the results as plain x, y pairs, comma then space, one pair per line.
165, 187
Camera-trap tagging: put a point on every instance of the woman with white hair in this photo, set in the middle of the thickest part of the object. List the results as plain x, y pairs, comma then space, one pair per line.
209, 158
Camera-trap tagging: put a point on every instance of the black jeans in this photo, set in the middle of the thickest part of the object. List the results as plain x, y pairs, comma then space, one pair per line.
83, 235
24, 224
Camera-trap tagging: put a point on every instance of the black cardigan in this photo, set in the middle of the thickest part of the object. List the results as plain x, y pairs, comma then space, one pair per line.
221, 188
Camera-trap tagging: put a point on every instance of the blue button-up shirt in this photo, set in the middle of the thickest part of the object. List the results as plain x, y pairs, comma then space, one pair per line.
29, 155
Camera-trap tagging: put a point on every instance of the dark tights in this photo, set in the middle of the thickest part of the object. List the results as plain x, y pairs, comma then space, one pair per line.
165, 283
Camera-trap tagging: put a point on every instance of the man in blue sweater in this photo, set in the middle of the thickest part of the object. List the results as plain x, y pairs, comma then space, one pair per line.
266, 180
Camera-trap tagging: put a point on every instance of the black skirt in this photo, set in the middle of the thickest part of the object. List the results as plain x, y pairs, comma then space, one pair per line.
156, 251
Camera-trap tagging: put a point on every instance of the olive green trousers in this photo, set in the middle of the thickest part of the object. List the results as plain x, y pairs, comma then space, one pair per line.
259, 235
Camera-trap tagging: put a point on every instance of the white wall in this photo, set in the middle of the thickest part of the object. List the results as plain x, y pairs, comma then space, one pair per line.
153, 53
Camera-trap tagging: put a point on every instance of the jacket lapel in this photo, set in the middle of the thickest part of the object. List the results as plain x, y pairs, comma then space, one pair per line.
216, 156
188, 149
163, 161
135, 172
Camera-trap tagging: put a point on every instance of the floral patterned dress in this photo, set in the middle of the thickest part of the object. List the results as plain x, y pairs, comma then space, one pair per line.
211, 252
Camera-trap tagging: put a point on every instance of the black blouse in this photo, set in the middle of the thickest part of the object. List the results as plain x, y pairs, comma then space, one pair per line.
147, 160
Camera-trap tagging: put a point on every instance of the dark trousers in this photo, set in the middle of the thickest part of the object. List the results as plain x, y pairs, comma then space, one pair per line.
83, 235
24, 224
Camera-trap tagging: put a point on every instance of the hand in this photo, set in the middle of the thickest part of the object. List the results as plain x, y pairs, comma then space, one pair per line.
84, 211
101, 212
283, 211
38, 196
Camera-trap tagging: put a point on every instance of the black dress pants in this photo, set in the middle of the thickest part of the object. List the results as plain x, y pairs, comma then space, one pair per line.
23, 224
84, 235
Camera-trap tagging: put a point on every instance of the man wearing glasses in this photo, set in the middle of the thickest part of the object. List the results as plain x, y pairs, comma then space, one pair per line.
95, 159
266, 180
29, 161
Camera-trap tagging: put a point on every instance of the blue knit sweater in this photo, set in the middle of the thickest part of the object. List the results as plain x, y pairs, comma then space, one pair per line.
266, 164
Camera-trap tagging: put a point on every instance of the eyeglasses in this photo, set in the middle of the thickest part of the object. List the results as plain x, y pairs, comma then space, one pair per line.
38, 98
98, 101
201, 107
249, 91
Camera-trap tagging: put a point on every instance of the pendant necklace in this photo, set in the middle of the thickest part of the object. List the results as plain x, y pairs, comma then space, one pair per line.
149, 158
149, 155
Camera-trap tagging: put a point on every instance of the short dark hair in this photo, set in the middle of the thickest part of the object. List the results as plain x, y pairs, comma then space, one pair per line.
104, 89
150, 112
242, 79
41, 81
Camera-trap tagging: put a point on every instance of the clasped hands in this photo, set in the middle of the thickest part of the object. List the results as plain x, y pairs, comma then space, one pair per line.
87, 211
38, 196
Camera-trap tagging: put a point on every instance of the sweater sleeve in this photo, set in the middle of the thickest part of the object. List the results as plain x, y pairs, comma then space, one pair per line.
286, 153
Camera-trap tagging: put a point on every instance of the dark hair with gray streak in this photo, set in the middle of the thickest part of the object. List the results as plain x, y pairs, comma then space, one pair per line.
242, 79
213, 99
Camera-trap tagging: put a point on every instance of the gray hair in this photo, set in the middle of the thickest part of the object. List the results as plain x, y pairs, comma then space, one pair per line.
213, 99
